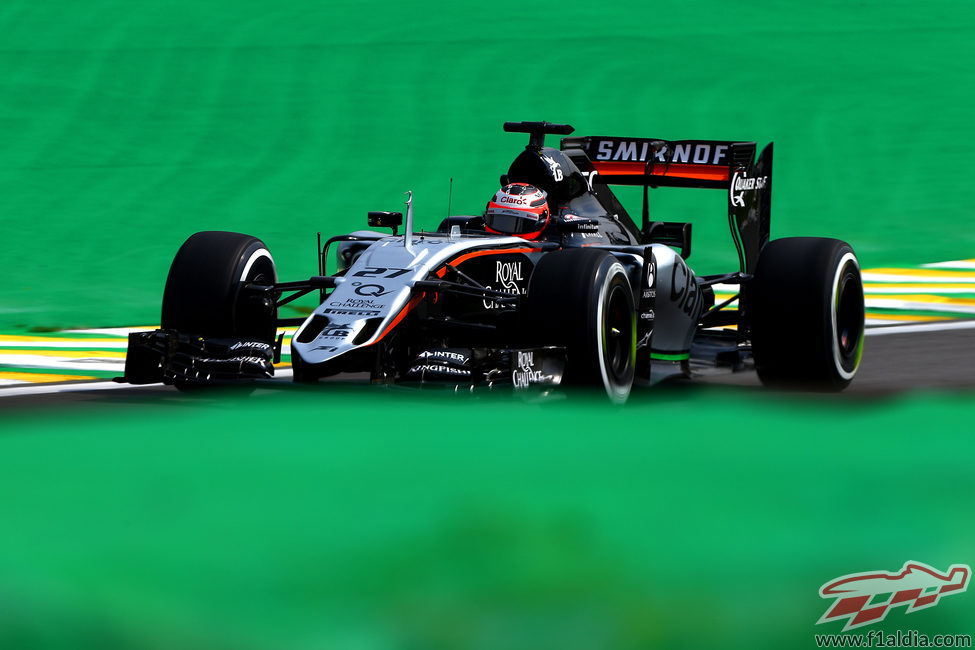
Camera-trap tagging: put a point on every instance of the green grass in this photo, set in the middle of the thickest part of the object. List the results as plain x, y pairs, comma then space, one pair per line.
127, 128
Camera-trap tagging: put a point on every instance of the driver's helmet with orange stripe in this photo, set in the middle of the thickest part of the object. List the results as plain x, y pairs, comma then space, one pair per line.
517, 209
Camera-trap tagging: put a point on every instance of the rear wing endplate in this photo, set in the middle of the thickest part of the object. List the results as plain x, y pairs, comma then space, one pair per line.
715, 164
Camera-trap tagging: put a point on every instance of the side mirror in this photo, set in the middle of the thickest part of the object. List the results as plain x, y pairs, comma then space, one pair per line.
670, 233
386, 220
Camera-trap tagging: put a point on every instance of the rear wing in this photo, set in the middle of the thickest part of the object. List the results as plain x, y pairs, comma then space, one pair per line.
715, 164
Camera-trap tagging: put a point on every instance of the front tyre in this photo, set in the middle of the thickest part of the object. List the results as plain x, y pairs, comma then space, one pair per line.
805, 308
582, 299
204, 296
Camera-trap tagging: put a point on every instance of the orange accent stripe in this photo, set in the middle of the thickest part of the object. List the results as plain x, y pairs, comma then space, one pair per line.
401, 315
677, 170
440, 273
466, 256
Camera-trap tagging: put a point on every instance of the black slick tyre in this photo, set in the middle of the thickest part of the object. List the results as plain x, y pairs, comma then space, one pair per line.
805, 310
582, 299
203, 291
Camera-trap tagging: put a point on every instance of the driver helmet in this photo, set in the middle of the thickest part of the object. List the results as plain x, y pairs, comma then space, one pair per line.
517, 209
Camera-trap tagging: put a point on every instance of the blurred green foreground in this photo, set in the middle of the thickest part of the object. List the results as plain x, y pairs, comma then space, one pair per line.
343, 518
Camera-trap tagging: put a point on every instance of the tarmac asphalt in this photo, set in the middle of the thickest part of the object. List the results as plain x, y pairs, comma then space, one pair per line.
919, 359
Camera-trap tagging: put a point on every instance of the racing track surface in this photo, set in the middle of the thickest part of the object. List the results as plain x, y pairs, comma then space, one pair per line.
917, 358
896, 360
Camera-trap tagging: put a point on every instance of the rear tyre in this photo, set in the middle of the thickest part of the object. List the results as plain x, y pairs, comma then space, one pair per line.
203, 291
581, 299
806, 312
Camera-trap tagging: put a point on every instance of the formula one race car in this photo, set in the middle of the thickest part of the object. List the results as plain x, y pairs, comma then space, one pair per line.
553, 284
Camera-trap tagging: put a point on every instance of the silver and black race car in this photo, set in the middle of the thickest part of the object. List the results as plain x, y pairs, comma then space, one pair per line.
587, 298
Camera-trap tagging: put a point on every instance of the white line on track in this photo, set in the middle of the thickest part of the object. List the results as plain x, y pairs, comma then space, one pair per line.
81, 344
61, 363
920, 328
957, 264
115, 331
49, 389
964, 277
919, 305
915, 288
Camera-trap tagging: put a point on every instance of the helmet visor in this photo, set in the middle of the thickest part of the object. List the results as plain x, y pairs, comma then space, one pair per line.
513, 222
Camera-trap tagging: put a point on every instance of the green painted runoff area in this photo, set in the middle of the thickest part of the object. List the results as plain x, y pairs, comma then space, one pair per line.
358, 517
